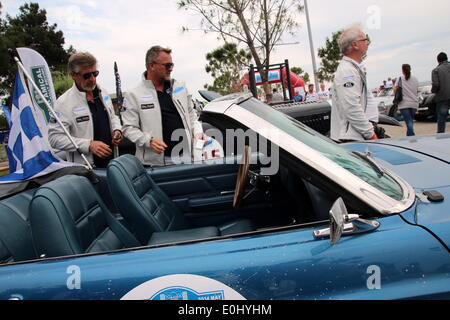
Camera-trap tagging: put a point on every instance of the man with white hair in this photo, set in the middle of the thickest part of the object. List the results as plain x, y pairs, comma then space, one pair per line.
349, 99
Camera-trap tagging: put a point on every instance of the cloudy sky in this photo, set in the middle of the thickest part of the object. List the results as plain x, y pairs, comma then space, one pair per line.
402, 31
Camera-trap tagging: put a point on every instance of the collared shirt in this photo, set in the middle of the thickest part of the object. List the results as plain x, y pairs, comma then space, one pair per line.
102, 127
171, 119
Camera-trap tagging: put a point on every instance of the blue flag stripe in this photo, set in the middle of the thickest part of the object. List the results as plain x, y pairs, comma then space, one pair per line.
29, 126
18, 148
18, 91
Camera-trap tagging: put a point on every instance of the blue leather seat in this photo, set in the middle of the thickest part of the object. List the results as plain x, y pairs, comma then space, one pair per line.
151, 214
68, 217
16, 242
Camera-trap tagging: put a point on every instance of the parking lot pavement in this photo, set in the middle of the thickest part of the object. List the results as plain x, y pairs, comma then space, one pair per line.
420, 128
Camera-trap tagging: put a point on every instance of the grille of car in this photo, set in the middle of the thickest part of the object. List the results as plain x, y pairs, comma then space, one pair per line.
315, 115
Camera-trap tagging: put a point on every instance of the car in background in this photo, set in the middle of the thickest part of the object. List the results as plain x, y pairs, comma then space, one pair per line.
314, 114
427, 106
384, 100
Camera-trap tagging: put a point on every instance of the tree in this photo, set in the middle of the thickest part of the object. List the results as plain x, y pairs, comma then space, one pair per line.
300, 72
330, 55
62, 82
30, 28
224, 65
259, 24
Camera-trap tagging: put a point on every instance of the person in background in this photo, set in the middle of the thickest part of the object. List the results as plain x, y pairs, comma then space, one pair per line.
410, 102
350, 92
276, 96
441, 88
389, 84
323, 93
311, 95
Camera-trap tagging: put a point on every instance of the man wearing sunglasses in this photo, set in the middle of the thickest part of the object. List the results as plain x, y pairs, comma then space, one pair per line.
159, 115
87, 112
350, 93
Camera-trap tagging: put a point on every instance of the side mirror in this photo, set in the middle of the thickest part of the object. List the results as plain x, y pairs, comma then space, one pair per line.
337, 213
341, 222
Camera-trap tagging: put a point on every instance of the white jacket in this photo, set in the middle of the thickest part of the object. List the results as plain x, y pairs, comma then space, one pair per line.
73, 110
349, 103
142, 120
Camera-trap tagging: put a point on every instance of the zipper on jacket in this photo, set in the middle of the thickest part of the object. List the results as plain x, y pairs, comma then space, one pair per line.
188, 129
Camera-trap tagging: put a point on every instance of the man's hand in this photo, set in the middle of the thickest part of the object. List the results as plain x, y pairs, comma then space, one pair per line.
100, 149
374, 137
157, 146
201, 136
117, 137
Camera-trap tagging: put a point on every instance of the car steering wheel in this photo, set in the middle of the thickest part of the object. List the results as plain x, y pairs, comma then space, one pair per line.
242, 177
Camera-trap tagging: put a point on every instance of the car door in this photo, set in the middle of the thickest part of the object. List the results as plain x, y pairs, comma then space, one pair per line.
205, 192
397, 260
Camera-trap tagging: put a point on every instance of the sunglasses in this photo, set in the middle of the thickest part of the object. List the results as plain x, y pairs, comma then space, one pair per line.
168, 65
88, 75
365, 39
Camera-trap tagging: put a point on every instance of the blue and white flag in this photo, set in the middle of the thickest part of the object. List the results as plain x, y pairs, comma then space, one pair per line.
29, 152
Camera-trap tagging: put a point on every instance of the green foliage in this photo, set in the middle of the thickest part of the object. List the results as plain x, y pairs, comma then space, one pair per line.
3, 122
29, 28
62, 82
224, 65
259, 24
330, 55
300, 72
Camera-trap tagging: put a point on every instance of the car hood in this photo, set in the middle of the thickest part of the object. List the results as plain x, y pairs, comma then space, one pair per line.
423, 162
435, 145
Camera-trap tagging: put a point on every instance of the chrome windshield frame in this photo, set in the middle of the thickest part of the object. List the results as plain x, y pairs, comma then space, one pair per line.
365, 192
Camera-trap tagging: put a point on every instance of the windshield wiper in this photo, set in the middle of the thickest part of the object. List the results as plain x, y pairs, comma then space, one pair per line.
368, 157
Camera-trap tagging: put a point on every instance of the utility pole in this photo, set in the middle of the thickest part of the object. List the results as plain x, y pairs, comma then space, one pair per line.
311, 46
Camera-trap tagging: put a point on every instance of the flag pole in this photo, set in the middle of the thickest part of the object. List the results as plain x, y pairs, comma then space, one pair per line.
50, 108
119, 98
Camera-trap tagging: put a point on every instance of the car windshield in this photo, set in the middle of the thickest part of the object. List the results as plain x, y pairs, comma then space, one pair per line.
351, 161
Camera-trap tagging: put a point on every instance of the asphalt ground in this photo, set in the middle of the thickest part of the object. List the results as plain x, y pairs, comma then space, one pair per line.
420, 128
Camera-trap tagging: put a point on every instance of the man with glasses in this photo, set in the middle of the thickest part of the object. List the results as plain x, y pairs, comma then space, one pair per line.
87, 112
349, 99
159, 115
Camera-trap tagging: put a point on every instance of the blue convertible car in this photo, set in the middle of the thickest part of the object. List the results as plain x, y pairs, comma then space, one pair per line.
292, 215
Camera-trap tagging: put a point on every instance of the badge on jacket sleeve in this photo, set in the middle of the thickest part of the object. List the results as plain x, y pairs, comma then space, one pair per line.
349, 85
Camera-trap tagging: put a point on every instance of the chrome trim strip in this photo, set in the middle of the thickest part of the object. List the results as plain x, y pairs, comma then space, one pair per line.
220, 105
